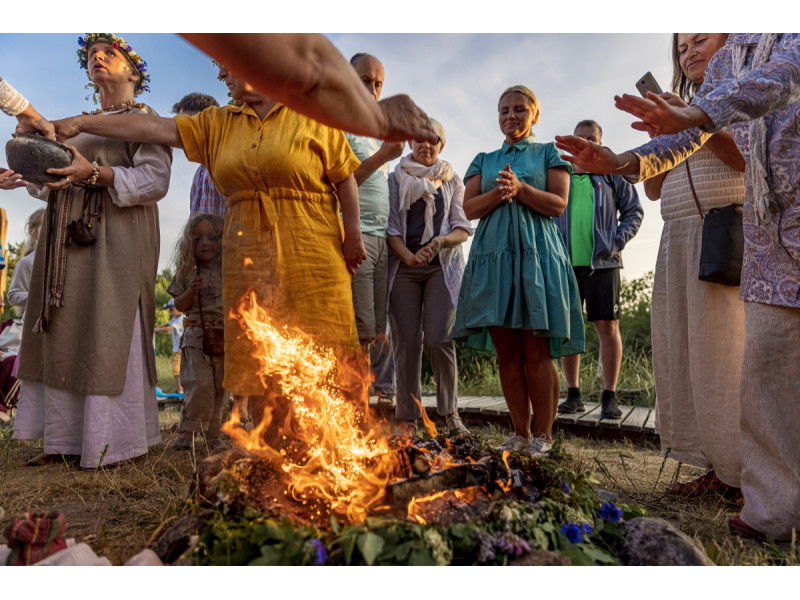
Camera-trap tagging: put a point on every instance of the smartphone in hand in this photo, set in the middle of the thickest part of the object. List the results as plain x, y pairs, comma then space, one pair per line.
648, 83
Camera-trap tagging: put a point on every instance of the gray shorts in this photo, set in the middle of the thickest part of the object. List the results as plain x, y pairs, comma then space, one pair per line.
369, 286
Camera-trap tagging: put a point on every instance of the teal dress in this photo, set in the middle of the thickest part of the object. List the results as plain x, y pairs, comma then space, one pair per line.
518, 275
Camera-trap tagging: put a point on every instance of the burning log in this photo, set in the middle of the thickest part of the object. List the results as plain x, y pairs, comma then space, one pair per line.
399, 494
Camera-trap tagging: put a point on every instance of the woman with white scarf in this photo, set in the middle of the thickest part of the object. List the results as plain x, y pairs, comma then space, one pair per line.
427, 226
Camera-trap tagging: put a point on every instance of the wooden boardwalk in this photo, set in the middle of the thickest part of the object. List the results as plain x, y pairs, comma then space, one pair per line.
635, 422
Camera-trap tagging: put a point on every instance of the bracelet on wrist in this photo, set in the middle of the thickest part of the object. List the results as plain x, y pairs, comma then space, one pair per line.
95, 174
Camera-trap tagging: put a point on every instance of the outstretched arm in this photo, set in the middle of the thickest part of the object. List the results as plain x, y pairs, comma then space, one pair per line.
31, 121
16, 105
306, 72
598, 159
147, 129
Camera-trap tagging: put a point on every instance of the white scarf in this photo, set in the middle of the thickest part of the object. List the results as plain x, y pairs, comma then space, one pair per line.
764, 197
416, 181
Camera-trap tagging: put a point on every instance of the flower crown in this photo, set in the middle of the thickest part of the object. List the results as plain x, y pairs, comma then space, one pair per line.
127, 51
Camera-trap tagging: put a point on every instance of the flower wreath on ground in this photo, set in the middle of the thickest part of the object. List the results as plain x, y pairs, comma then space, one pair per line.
85, 42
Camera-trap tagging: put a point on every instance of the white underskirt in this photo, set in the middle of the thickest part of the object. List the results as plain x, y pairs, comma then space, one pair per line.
101, 429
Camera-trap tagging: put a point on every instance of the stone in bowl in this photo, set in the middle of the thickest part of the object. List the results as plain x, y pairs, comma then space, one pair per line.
31, 155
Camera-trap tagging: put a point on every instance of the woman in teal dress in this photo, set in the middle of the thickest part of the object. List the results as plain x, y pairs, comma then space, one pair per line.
518, 285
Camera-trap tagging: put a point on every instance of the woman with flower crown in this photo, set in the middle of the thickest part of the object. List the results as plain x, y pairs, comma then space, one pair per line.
87, 362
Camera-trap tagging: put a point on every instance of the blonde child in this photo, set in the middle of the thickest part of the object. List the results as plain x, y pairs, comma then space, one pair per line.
197, 291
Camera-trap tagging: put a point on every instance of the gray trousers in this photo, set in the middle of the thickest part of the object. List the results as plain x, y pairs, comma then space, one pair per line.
421, 313
205, 399
770, 413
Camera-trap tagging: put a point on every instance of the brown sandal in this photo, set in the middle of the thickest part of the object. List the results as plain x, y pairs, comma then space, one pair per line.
705, 484
43, 459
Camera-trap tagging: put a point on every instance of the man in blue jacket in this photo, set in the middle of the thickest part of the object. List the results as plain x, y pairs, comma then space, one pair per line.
603, 214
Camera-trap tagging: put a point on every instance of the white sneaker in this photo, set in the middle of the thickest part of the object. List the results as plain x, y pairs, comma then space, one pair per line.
538, 447
513, 443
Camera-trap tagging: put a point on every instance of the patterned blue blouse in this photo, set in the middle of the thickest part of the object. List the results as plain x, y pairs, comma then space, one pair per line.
771, 271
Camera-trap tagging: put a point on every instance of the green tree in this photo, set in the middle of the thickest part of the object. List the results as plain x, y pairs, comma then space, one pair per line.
163, 341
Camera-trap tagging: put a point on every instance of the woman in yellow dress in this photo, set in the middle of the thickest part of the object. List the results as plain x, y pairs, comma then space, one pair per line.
286, 179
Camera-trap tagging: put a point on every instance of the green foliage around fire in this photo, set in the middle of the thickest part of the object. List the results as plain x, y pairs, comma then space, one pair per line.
569, 519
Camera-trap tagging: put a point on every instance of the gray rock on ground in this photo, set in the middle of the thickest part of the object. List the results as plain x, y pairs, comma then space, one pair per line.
654, 542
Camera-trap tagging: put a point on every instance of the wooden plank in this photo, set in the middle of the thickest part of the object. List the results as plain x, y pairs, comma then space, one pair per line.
572, 419
616, 423
636, 419
465, 401
650, 425
428, 402
498, 408
478, 404
591, 418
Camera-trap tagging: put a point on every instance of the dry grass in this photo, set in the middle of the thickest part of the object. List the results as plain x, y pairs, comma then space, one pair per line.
118, 511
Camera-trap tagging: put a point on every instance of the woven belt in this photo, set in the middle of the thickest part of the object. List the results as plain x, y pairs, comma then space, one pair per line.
204, 323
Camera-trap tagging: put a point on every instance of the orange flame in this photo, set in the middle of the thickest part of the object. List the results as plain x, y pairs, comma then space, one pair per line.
505, 485
333, 459
415, 508
429, 425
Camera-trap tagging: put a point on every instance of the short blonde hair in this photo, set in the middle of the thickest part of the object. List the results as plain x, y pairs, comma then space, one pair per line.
528, 93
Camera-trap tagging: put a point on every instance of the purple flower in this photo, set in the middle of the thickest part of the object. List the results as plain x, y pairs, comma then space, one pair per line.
586, 528
322, 555
610, 512
81, 42
574, 532
566, 487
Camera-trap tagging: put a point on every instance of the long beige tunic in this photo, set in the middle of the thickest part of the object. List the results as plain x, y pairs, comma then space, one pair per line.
89, 379
697, 327
85, 348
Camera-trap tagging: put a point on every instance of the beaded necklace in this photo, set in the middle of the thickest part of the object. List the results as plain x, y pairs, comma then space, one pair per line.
121, 107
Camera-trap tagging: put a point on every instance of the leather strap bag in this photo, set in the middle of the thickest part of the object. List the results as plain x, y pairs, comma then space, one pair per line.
722, 245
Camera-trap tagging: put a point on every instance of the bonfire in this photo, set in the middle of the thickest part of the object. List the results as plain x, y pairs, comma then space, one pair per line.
322, 481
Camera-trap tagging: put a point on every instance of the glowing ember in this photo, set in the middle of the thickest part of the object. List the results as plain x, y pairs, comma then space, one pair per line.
332, 457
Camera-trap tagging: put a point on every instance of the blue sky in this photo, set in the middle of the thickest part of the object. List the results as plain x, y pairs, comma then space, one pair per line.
456, 78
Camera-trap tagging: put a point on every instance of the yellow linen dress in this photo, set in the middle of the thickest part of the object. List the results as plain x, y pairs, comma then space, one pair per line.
283, 234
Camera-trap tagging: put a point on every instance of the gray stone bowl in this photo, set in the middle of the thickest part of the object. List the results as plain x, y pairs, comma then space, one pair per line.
31, 155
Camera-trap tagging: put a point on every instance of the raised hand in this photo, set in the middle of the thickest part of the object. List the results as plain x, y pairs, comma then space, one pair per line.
391, 150
659, 115
404, 120
9, 180
589, 156
31, 121
67, 128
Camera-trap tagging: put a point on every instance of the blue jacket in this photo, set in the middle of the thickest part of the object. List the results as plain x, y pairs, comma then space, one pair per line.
612, 195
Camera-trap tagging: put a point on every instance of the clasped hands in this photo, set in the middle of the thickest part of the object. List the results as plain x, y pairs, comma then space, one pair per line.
508, 184
426, 254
